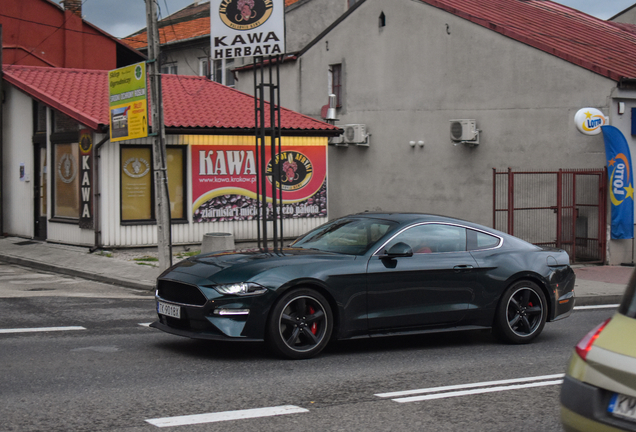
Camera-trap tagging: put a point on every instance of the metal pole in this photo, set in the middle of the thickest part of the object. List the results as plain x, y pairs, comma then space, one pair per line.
162, 205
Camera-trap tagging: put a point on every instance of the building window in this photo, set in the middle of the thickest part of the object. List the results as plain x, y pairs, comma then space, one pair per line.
335, 83
203, 67
66, 181
137, 185
223, 72
170, 68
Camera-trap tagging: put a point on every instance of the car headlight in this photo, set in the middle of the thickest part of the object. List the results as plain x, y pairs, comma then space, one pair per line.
241, 288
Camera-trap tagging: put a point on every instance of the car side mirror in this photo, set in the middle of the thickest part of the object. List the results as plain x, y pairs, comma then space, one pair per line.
398, 250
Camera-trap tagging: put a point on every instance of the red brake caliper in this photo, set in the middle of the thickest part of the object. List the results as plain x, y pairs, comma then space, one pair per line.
314, 326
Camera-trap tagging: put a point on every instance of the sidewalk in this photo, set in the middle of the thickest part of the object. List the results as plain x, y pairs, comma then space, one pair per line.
595, 285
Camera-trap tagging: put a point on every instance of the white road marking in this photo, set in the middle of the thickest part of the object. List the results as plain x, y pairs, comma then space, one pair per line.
42, 329
225, 416
145, 324
476, 391
609, 306
466, 386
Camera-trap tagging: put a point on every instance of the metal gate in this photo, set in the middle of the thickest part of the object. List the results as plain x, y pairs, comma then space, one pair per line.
564, 209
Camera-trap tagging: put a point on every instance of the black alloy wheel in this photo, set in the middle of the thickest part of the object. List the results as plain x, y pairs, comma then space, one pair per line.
521, 313
300, 324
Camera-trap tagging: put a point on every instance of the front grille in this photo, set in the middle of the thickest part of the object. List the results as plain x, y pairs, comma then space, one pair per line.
180, 293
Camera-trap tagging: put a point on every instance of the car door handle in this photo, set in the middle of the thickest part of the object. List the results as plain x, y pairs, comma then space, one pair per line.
460, 268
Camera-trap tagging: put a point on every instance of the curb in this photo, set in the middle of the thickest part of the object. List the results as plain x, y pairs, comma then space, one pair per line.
78, 273
598, 300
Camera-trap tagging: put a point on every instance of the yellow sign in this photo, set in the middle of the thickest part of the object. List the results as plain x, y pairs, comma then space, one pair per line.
128, 102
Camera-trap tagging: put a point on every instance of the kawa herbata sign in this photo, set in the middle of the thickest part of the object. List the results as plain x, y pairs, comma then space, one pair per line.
247, 28
224, 182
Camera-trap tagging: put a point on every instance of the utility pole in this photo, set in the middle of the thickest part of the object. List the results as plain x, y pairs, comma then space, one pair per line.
162, 203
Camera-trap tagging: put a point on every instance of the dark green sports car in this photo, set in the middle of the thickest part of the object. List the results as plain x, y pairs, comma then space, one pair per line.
369, 275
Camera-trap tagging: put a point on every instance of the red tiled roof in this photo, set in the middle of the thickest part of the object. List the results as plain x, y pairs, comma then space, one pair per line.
189, 101
574, 36
181, 31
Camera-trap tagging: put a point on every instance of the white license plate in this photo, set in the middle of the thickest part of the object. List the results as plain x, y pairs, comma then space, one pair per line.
168, 310
623, 406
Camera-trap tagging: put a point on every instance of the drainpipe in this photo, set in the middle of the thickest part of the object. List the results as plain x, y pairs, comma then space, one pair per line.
96, 193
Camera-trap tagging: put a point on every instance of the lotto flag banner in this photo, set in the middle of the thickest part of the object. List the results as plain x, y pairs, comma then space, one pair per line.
621, 188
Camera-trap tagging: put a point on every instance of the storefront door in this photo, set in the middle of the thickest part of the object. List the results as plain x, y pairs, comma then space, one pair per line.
39, 190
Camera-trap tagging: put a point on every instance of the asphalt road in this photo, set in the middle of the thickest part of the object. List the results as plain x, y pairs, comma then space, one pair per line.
107, 371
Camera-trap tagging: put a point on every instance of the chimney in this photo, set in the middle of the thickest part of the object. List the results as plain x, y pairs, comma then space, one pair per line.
74, 6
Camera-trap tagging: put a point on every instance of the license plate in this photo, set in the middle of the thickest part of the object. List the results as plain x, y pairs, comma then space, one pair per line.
623, 406
168, 310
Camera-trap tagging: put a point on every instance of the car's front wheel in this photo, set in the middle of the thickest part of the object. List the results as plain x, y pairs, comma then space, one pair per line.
521, 314
300, 324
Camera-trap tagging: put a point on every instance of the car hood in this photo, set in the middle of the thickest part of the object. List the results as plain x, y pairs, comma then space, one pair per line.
244, 265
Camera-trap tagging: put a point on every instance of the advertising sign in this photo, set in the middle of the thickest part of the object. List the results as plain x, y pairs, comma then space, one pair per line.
621, 187
246, 28
86, 176
224, 182
128, 102
589, 121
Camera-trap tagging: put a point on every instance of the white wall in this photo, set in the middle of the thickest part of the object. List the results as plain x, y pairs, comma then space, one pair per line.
18, 201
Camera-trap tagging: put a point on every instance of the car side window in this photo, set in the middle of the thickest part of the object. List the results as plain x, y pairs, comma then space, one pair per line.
478, 240
432, 238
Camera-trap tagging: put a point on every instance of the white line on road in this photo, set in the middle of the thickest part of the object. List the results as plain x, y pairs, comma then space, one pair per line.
467, 386
144, 324
42, 329
609, 306
476, 391
225, 416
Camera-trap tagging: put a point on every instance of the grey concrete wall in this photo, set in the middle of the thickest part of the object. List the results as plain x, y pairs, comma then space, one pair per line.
306, 19
629, 16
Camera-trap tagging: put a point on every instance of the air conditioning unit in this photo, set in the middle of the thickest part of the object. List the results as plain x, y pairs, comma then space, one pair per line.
464, 130
355, 134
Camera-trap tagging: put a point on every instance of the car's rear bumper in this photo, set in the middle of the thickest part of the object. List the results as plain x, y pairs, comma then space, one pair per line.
584, 408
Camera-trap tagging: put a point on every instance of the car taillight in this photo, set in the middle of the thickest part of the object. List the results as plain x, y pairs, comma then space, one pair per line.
584, 346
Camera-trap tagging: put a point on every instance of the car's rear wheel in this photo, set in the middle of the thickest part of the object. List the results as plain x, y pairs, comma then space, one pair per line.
300, 324
521, 314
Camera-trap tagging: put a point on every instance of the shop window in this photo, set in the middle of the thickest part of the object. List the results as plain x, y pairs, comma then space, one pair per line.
137, 183
176, 181
66, 203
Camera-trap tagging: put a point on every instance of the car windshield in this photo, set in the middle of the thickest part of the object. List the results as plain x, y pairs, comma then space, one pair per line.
628, 305
351, 236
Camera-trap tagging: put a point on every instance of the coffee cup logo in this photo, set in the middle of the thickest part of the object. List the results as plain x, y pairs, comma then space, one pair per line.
245, 14
295, 171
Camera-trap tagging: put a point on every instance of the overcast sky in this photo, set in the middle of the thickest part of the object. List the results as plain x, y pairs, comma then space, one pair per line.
121, 18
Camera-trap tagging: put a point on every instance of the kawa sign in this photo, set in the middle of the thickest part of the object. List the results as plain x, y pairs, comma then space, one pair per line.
246, 28
224, 182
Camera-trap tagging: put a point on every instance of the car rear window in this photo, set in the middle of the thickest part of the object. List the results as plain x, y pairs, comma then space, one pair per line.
628, 305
